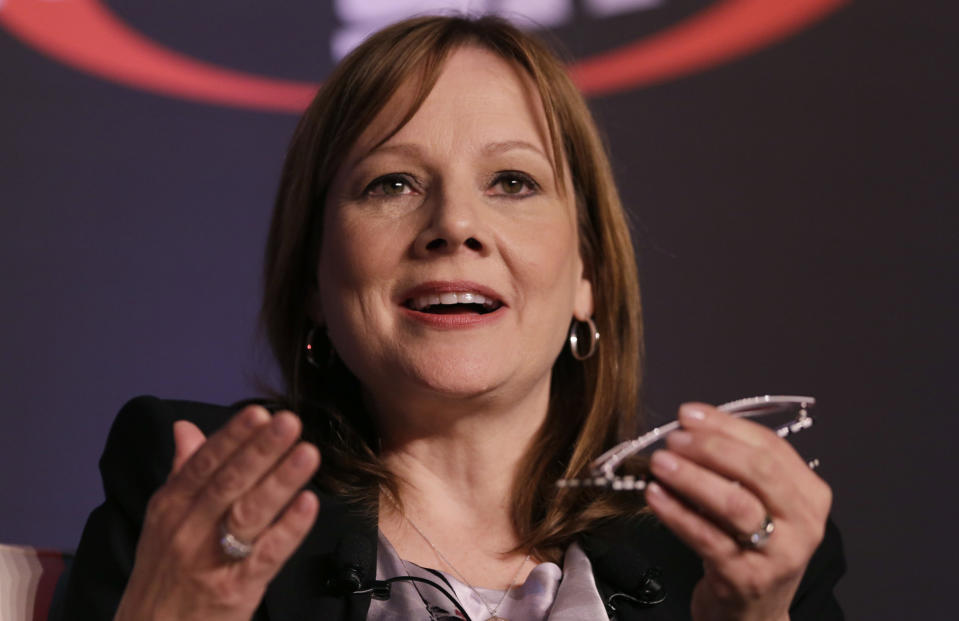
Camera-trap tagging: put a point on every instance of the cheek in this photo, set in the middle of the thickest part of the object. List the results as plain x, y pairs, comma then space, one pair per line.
355, 256
352, 268
359, 262
551, 264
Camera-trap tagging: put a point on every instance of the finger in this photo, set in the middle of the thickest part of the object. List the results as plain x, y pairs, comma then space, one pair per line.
709, 541
732, 506
693, 416
187, 438
196, 471
698, 416
763, 470
253, 512
279, 541
245, 468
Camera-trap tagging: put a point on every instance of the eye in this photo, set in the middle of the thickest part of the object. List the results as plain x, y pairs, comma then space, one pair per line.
389, 185
514, 184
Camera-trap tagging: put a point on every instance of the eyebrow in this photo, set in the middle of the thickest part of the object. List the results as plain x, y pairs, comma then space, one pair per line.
492, 148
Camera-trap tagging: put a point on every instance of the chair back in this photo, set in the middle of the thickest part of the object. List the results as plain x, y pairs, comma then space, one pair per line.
28, 581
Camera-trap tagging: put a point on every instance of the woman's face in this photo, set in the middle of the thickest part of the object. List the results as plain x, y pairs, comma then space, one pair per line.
450, 263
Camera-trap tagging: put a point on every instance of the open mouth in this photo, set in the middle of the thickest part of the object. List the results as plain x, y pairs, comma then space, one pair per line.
453, 304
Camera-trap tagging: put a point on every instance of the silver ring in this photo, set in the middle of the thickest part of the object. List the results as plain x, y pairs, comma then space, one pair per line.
758, 537
234, 547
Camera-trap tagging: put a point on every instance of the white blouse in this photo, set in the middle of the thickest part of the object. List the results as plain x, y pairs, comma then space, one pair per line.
567, 594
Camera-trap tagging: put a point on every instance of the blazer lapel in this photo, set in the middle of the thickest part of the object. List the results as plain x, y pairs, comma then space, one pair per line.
643, 572
301, 590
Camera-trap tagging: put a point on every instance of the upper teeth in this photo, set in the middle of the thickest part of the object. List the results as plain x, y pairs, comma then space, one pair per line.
465, 297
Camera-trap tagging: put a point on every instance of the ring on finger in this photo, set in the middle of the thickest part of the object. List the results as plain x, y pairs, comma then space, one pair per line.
759, 537
233, 547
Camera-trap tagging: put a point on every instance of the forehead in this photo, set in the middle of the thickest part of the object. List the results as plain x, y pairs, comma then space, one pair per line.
478, 96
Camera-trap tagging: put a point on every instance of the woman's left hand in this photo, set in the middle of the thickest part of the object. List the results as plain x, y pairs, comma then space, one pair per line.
719, 478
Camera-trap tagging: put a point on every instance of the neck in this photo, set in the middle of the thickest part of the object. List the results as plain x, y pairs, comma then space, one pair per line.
463, 454
456, 463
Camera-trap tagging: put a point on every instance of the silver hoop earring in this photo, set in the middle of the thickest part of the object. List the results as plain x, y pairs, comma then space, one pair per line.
574, 339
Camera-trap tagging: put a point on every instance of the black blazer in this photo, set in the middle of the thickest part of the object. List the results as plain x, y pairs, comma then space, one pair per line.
633, 561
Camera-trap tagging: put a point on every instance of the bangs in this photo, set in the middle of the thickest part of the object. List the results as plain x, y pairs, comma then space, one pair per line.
399, 61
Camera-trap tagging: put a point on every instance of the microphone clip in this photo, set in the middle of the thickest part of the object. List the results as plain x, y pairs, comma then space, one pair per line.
379, 590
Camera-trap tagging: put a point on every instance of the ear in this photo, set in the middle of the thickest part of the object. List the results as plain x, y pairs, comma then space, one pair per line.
583, 298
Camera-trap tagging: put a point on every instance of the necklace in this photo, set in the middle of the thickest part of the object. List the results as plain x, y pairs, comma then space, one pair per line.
490, 609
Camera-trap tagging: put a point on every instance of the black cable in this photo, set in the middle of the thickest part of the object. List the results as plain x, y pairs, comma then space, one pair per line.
377, 589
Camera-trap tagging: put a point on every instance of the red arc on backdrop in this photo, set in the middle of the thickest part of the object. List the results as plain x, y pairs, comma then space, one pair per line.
86, 35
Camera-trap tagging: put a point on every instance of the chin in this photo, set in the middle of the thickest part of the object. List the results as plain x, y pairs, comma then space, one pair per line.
460, 372
460, 378
445, 374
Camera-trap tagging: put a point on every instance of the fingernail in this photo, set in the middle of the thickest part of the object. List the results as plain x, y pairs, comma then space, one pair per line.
653, 489
303, 503
301, 457
282, 424
664, 462
679, 438
691, 413
255, 417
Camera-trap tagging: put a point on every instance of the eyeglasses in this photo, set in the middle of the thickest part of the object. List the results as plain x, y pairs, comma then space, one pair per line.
786, 414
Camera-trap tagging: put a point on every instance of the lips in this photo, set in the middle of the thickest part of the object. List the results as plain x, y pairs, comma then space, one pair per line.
452, 298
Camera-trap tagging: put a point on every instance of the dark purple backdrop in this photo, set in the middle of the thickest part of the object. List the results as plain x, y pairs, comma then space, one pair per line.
790, 208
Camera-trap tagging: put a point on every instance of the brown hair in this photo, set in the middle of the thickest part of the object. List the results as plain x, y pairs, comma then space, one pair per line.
593, 404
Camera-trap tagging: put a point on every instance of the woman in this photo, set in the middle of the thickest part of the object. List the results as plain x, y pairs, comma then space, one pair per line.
446, 214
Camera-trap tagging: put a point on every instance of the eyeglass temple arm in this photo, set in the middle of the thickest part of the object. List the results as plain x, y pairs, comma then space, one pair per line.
605, 465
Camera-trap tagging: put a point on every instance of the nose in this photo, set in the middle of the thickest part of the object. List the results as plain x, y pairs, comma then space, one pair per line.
455, 224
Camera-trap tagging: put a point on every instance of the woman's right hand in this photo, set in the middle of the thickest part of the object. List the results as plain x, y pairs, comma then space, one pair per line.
245, 478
